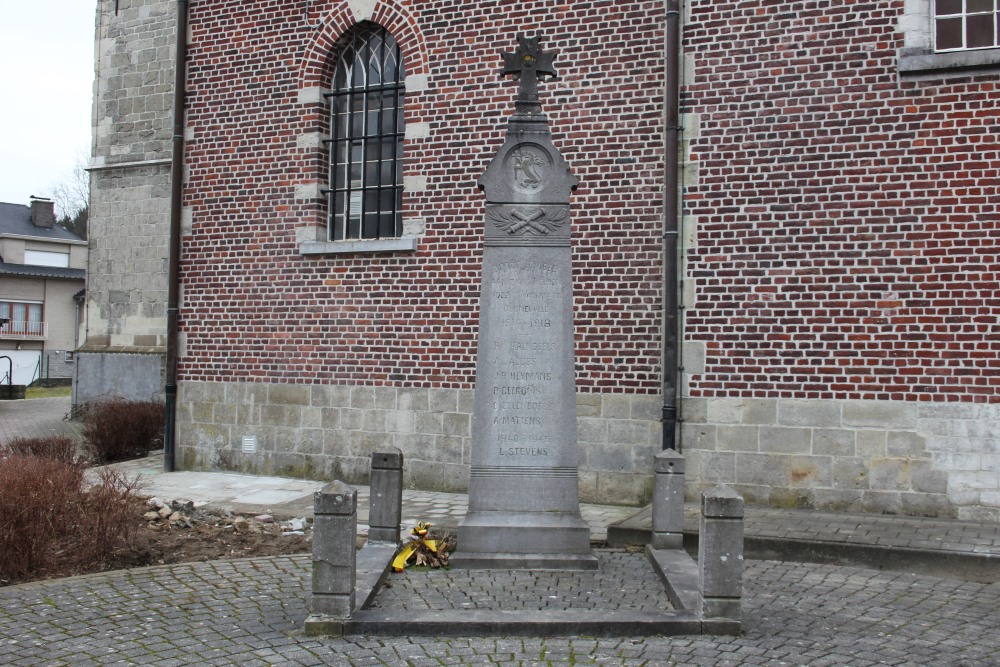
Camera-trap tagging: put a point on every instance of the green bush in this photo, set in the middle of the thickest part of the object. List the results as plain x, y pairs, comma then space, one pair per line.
118, 430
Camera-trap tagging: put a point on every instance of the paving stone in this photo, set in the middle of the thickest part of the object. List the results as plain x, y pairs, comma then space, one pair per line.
814, 614
250, 612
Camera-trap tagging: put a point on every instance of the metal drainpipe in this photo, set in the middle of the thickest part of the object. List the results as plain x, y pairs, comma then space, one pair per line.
174, 248
671, 268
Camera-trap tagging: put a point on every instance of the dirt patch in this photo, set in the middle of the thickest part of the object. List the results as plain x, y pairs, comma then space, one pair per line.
178, 532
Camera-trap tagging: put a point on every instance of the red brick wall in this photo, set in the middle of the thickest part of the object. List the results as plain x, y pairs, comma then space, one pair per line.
255, 309
848, 231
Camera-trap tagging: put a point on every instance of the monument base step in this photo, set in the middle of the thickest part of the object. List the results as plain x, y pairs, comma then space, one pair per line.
525, 623
524, 541
501, 561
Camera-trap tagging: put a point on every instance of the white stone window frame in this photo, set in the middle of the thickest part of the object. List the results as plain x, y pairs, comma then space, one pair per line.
964, 15
918, 55
314, 241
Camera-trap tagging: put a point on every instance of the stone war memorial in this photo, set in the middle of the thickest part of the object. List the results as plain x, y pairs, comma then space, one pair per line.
524, 523
524, 510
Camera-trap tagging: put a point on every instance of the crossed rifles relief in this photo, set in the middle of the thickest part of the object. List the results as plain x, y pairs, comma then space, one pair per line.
529, 220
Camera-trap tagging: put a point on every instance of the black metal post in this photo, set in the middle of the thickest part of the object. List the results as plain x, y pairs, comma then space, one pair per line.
671, 268
174, 252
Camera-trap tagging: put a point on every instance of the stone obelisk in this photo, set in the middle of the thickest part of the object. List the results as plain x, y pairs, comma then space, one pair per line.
524, 508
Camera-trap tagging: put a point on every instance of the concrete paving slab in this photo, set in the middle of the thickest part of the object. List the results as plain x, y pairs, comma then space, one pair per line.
286, 498
965, 550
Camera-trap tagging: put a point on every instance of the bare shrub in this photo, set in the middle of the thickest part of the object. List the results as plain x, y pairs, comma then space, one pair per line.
57, 448
52, 524
36, 492
104, 525
118, 430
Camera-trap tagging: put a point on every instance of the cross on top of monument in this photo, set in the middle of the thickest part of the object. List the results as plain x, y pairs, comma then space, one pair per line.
527, 64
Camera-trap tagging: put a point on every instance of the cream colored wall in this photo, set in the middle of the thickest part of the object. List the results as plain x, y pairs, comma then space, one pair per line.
61, 313
78, 257
22, 289
12, 250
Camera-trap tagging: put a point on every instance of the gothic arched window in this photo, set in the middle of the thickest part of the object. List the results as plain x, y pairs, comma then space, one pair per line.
366, 137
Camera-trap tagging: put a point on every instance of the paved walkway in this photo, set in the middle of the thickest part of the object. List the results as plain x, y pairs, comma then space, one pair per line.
36, 418
286, 498
250, 612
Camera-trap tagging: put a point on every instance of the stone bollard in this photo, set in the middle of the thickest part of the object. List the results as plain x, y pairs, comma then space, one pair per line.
720, 554
335, 531
668, 500
386, 510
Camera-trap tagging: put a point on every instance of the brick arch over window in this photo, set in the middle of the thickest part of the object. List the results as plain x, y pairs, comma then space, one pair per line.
319, 59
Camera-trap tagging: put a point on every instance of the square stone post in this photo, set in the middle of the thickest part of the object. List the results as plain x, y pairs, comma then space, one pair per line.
386, 510
668, 500
720, 554
335, 529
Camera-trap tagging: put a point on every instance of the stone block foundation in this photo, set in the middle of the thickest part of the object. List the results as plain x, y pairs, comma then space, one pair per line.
330, 432
893, 457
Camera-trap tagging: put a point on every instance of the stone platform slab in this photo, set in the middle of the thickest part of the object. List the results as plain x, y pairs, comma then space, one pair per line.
968, 550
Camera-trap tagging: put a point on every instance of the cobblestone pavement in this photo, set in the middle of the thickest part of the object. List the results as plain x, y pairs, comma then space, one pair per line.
250, 612
624, 582
36, 418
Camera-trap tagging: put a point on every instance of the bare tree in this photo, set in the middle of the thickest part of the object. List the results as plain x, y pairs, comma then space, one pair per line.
72, 198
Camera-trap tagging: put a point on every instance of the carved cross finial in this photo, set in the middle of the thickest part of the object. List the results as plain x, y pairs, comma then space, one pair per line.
527, 64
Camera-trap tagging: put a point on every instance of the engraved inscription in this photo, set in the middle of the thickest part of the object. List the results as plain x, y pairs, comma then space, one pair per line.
524, 297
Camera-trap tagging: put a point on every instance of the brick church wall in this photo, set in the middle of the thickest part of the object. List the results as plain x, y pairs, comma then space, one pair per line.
258, 312
840, 235
844, 302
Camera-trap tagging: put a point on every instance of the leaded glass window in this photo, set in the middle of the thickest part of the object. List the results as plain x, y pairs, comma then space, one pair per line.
366, 137
966, 24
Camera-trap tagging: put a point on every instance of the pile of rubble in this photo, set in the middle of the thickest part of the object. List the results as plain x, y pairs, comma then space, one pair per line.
170, 514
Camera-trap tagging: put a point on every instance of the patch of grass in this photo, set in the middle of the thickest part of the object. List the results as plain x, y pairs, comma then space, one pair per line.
49, 392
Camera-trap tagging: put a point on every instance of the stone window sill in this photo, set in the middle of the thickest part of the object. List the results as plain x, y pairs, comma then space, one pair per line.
957, 62
405, 244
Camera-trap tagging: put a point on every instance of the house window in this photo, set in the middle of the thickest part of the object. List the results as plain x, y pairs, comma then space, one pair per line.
21, 319
46, 258
366, 145
966, 24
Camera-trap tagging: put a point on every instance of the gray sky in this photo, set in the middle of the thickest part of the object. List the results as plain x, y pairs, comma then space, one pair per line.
46, 79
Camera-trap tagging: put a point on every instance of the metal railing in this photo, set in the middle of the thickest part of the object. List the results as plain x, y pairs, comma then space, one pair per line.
21, 330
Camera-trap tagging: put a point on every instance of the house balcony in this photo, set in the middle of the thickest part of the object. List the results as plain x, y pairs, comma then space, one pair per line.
15, 330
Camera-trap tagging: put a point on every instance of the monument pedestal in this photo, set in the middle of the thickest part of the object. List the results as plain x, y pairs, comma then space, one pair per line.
524, 509
524, 541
